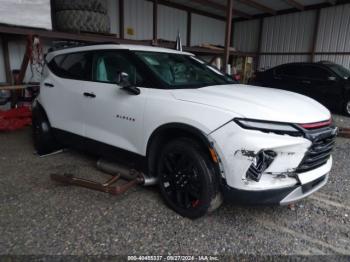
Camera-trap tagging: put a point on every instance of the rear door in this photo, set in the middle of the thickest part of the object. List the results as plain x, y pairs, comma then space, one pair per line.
62, 91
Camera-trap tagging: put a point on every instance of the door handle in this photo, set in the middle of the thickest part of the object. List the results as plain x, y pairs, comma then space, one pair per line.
92, 95
48, 85
306, 82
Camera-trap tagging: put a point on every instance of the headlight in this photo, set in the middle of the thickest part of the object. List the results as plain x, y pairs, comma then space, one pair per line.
266, 126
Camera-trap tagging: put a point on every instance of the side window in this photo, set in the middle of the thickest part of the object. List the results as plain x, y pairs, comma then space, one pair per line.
108, 64
73, 66
314, 72
288, 70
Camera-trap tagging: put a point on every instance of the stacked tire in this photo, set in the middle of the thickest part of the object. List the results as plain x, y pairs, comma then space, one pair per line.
82, 16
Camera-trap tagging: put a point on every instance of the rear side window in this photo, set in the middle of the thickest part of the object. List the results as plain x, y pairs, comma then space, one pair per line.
288, 70
314, 72
75, 66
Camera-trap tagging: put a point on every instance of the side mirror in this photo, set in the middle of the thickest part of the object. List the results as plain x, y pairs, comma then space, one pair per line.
123, 81
332, 78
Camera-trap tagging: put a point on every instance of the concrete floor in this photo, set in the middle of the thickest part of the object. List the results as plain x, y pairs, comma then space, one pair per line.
39, 216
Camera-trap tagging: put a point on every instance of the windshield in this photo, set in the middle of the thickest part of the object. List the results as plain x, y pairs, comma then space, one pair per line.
183, 71
340, 70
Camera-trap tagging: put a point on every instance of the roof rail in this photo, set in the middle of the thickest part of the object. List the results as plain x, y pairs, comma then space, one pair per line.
60, 45
325, 62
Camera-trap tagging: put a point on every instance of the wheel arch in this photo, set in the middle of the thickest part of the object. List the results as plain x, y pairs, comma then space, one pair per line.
37, 108
171, 131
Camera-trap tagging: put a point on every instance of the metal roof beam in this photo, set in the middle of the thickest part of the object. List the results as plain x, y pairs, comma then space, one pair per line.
221, 7
189, 9
259, 6
296, 4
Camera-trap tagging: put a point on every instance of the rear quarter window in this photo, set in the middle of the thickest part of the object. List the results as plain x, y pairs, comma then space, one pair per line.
287, 70
75, 66
315, 72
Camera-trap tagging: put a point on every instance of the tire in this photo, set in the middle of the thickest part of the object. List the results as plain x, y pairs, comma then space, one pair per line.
346, 107
187, 179
98, 6
44, 142
82, 21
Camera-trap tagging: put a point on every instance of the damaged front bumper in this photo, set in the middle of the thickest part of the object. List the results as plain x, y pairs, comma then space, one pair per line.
281, 196
262, 168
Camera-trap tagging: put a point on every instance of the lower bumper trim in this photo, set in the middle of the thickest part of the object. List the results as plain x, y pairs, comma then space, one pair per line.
281, 196
265, 197
304, 190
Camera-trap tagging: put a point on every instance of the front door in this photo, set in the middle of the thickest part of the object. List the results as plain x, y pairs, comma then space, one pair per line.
112, 115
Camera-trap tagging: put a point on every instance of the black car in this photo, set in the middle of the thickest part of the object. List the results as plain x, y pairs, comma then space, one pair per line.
326, 82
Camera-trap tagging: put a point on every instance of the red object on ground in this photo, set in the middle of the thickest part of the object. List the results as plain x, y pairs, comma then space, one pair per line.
14, 119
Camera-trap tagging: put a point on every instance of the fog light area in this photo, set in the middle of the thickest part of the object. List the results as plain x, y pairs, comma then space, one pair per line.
260, 163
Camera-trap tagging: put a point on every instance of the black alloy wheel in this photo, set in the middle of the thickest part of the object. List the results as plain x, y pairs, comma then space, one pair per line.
347, 106
186, 178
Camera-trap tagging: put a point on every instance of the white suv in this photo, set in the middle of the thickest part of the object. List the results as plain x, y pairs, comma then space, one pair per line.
178, 119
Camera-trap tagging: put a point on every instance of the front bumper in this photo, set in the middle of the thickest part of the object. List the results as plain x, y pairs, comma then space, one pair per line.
282, 196
282, 182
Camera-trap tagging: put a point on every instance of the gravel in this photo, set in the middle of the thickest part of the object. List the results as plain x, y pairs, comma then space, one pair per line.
39, 216
341, 121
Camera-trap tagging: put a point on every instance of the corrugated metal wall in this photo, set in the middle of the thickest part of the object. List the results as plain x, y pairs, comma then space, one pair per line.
207, 30
245, 36
170, 20
268, 61
16, 53
28, 13
339, 59
284, 33
287, 33
138, 19
113, 12
295, 32
334, 30
334, 34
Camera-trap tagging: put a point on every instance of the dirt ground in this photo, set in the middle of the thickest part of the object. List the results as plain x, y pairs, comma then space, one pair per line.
39, 216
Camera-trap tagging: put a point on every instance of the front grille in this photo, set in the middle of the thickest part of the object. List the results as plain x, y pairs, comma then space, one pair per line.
318, 154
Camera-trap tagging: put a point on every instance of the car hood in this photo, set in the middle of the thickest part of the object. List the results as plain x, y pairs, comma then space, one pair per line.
257, 103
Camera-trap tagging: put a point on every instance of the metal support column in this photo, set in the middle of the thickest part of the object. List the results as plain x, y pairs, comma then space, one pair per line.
155, 22
228, 33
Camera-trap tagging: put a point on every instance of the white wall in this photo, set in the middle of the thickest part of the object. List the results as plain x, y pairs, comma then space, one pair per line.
138, 16
334, 34
207, 30
334, 30
284, 33
246, 35
170, 21
113, 12
30, 13
295, 33
288, 33
16, 52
